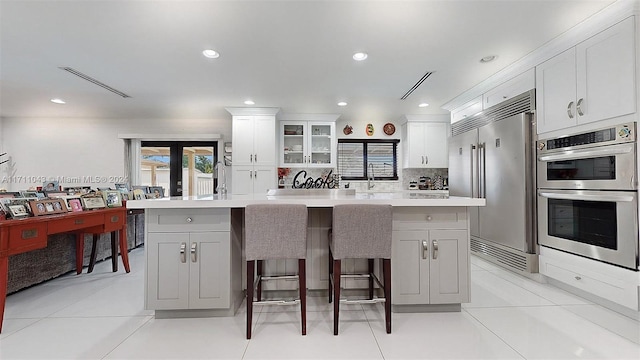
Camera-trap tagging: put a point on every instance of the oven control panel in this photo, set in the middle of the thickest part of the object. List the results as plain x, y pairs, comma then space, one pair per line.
611, 135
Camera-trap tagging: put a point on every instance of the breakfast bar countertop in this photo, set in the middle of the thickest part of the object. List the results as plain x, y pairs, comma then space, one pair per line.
309, 198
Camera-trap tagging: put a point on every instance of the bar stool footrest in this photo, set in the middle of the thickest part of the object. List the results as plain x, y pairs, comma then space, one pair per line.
277, 302
363, 301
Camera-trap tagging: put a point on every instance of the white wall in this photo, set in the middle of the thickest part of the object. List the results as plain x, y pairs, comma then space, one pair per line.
69, 150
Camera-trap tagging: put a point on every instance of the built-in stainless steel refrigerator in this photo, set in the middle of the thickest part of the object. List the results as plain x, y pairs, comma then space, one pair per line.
492, 156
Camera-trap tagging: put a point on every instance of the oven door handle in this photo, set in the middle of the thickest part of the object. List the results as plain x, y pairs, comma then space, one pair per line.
581, 154
588, 197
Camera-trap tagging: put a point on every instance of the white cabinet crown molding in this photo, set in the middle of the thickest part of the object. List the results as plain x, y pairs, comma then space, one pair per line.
252, 111
309, 117
604, 19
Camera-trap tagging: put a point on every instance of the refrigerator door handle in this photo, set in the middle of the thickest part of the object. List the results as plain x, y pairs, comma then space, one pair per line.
482, 182
474, 171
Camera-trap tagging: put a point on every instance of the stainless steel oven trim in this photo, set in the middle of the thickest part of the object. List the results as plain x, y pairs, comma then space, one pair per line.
627, 222
625, 178
587, 153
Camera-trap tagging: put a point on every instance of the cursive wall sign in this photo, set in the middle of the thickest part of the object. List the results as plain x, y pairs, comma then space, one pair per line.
301, 181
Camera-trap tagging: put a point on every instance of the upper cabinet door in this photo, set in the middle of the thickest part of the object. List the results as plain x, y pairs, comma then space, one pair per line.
415, 145
436, 147
242, 140
606, 74
556, 92
264, 140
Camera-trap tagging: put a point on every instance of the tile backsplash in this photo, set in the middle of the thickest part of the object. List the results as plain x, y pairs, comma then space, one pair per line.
406, 176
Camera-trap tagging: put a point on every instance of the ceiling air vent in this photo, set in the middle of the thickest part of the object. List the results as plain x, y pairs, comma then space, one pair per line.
92, 80
416, 85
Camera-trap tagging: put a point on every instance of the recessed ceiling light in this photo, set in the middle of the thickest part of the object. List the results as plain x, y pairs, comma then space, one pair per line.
249, 102
487, 59
342, 103
58, 101
359, 56
211, 54
423, 105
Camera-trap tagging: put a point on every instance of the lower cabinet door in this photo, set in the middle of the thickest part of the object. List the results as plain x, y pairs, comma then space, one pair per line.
210, 270
448, 269
410, 267
167, 271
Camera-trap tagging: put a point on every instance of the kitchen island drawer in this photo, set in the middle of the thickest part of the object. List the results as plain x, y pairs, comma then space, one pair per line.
186, 220
424, 218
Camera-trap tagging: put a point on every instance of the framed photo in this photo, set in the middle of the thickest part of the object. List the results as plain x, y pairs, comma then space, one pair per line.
5, 203
78, 189
50, 186
124, 190
29, 194
138, 194
18, 211
156, 192
9, 194
55, 194
48, 206
145, 189
93, 202
113, 198
74, 204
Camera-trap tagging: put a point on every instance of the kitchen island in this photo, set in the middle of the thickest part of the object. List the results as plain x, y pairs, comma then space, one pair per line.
194, 258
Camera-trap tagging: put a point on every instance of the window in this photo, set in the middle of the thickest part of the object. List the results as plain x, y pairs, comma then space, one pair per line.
181, 168
362, 158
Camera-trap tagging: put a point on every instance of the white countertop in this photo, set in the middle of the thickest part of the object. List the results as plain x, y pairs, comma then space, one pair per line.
401, 198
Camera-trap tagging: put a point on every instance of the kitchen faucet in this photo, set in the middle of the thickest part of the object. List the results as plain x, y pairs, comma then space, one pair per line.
221, 168
370, 177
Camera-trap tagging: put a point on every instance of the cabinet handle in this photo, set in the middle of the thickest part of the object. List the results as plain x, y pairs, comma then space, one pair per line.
189, 219
250, 157
194, 252
578, 107
183, 250
255, 157
578, 278
422, 159
429, 218
435, 249
426, 159
569, 110
425, 249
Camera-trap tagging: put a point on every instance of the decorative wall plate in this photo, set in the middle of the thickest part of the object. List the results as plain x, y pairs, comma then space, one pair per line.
347, 130
389, 129
369, 130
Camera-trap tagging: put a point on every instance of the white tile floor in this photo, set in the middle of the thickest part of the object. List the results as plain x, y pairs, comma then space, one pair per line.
101, 316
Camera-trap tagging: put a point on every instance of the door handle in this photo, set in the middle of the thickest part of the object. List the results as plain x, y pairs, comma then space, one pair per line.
425, 249
579, 107
194, 252
435, 249
183, 255
569, 110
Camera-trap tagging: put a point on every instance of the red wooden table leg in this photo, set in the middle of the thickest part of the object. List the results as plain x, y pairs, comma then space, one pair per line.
4, 279
124, 248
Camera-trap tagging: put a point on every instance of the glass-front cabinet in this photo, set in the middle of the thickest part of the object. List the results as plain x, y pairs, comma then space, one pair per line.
307, 144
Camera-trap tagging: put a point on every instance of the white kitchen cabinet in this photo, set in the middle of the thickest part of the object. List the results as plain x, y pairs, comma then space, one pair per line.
466, 110
592, 81
429, 267
189, 260
430, 255
426, 144
254, 151
510, 88
307, 144
248, 179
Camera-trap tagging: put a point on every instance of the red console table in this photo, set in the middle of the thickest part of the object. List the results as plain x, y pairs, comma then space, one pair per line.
23, 235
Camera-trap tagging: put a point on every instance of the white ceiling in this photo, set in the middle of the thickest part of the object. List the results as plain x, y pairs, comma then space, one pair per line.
295, 55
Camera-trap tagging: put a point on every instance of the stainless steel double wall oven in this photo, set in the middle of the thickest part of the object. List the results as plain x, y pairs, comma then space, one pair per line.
587, 194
